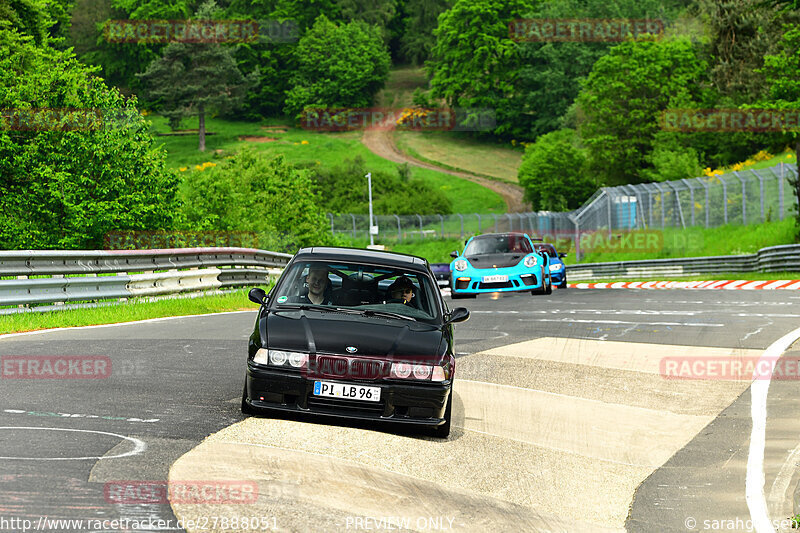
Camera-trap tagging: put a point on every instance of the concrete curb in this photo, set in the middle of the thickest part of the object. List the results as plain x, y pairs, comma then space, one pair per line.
743, 284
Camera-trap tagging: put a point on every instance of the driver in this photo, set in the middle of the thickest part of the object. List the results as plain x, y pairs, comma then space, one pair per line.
318, 286
402, 290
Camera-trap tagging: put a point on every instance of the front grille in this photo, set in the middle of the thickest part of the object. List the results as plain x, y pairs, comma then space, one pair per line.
338, 405
529, 280
496, 285
462, 284
348, 367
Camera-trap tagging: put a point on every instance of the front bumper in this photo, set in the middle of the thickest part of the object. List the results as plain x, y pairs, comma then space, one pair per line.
406, 403
557, 276
471, 281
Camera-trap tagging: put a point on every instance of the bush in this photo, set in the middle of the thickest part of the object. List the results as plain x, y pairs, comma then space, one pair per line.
66, 185
345, 191
553, 172
252, 193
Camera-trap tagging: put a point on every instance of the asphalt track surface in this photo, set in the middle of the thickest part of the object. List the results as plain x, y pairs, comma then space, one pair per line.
562, 422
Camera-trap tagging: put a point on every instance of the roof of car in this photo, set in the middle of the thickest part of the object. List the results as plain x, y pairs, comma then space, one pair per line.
506, 234
360, 254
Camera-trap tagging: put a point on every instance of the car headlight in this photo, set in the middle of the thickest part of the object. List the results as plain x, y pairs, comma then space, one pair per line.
281, 358
297, 359
400, 370
277, 357
553, 268
461, 265
422, 371
261, 357
531, 261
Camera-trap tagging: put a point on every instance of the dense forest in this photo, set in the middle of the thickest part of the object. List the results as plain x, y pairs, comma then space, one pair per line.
591, 107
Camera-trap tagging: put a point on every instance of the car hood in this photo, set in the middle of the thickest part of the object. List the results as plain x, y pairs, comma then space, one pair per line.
331, 332
495, 260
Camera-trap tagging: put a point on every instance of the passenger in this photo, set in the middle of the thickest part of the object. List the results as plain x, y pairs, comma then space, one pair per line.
318, 287
402, 290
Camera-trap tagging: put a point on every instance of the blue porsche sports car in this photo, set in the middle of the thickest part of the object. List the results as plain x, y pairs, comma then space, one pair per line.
499, 262
558, 271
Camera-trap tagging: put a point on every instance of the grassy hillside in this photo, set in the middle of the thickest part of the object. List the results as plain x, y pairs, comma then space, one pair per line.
303, 146
458, 151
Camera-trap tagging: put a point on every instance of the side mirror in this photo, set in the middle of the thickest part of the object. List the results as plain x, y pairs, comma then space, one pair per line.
454, 254
257, 296
562, 255
459, 314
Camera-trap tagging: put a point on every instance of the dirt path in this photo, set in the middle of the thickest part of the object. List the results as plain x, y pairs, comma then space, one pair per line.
381, 143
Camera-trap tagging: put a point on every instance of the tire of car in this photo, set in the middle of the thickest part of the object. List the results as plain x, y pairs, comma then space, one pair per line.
549, 289
563, 284
246, 409
444, 430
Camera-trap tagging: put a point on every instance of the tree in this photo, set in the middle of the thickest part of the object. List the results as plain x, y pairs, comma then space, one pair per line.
251, 192
67, 184
474, 62
338, 66
620, 102
741, 33
553, 172
422, 19
780, 71
196, 78
551, 72
40, 19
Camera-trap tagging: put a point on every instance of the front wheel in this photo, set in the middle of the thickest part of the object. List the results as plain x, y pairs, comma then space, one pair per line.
549, 289
444, 430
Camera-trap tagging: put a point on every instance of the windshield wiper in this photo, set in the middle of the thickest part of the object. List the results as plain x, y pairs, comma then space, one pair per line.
389, 314
317, 307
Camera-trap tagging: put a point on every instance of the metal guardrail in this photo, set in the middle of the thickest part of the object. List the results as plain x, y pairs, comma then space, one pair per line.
784, 258
62, 276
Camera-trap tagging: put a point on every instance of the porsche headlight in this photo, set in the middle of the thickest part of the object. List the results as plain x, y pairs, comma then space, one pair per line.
531, 261
553, 268
461, 265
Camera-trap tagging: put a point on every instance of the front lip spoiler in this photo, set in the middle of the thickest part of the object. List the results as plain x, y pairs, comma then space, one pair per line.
267, 407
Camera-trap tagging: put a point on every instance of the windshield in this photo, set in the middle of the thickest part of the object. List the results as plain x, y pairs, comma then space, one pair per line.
546, 248
498, 244
372, 289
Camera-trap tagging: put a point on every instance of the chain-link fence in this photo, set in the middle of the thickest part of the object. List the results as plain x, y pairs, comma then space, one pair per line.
742, 197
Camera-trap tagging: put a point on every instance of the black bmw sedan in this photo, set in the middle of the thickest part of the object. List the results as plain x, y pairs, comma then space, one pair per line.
354, 333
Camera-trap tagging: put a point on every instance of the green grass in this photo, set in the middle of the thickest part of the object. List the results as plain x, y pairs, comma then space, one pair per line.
699, 242
328, 149
691, 242
458, 151
127, 312
400, 87
753, 276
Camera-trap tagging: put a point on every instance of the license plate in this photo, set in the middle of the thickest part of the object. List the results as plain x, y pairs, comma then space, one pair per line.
346, 390
494, 279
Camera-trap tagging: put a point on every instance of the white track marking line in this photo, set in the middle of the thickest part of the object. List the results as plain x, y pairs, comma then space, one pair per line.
755, 480
138, 445
8, 335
